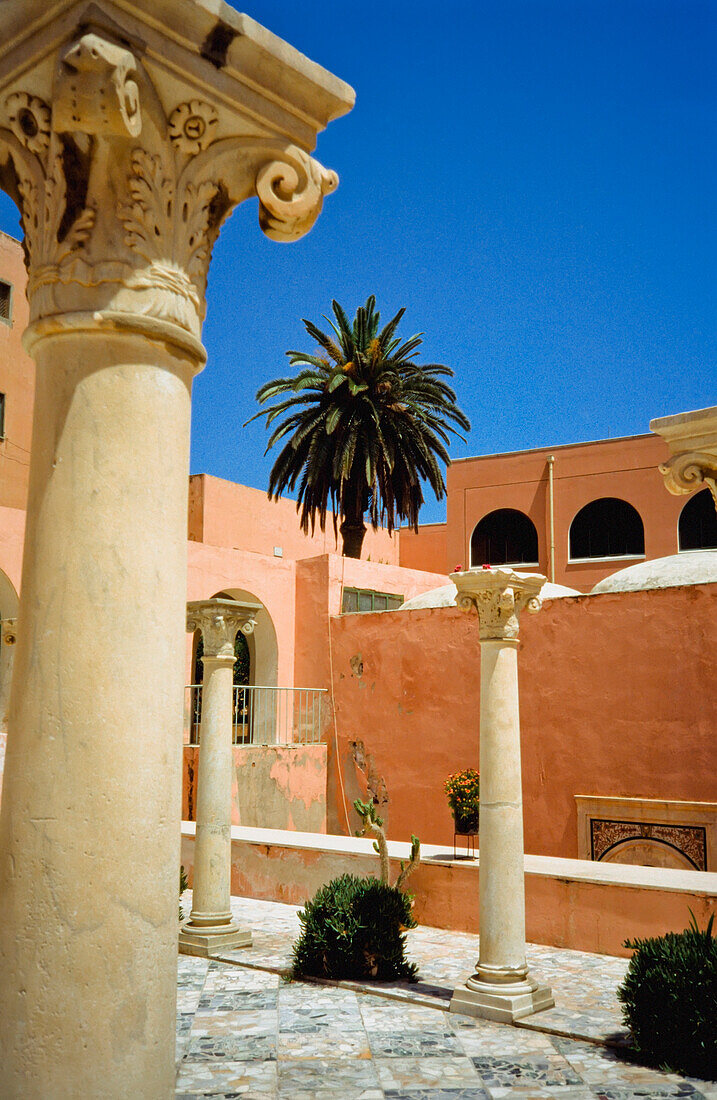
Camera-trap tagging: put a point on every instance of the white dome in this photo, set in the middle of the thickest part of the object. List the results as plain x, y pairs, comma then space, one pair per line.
690, 567
445, 596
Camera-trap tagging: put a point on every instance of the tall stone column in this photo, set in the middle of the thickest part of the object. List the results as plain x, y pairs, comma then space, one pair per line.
210, 925
127, 135
501, 988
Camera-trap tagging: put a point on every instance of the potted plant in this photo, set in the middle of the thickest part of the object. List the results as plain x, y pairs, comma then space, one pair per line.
463, 790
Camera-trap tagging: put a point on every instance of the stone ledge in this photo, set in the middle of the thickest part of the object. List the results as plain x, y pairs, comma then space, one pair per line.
568, 870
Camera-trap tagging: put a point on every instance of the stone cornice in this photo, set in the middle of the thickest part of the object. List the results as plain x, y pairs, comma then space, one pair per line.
497, 596
220, 621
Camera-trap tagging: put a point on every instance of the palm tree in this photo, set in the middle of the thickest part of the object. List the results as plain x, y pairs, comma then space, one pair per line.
365, 424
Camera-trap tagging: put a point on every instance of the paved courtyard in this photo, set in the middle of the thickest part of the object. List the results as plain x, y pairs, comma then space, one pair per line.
244, 1031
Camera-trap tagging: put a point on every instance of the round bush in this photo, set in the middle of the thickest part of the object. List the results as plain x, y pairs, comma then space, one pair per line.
669, 999
354, 928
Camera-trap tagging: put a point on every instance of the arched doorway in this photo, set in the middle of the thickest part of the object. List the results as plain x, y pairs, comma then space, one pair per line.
8, 611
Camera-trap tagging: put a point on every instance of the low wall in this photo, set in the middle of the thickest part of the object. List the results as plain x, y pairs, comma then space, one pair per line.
277, 786
569, 902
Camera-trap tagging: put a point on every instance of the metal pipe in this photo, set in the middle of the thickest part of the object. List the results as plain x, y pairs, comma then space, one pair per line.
551, 506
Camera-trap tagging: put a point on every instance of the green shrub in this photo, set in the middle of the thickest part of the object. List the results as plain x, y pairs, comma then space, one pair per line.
669, 999
354, 928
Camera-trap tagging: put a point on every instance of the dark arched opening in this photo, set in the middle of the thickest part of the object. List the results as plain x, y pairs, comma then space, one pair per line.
505, 537
607, 528
697, 525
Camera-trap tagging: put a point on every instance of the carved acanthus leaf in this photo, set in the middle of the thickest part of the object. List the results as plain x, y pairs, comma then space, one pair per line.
43, 212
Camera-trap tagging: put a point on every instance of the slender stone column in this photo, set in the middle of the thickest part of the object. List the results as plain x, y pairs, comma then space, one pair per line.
210, 926
127, 135
501, 988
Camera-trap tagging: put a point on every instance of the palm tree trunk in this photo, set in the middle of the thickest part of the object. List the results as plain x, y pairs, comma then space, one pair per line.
353, 536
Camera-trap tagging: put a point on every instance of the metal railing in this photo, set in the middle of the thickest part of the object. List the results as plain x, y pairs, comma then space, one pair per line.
264, 715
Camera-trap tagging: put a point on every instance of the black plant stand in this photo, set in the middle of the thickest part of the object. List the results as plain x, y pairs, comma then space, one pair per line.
470, 845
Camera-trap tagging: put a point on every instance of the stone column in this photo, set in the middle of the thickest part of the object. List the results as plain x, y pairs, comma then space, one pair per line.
501, 988
210, 926
692, 439
127, 135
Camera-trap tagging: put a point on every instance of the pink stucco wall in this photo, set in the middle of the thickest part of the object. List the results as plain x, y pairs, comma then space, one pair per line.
617, 696
223, 513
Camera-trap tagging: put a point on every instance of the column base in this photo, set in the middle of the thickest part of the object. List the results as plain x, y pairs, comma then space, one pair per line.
207, 941
504, 1003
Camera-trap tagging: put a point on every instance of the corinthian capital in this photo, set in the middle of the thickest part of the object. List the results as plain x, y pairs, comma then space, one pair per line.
126, 149
220, 621
497, 596
692, 439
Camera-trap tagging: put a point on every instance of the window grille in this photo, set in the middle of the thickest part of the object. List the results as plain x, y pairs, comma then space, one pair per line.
365, 599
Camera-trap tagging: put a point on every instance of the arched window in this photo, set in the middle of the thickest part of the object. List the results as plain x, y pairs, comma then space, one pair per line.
607, 528
697, 526
505, 537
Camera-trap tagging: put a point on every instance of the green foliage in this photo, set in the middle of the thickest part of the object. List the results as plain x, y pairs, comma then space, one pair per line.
362, 424
183, 885
669, 999
354, 928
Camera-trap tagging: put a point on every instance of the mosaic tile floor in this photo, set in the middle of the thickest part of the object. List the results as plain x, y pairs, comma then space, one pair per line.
245, 1032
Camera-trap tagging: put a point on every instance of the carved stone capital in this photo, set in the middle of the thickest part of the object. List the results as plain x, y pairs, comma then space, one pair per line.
124, 167
497, 596
692, 439
220, 621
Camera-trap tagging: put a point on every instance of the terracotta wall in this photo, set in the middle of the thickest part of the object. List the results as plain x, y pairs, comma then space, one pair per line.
618, 697
223, 513
583, 472
426, 548
17, 381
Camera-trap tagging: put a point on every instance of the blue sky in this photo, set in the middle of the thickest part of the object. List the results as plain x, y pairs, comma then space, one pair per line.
533, 180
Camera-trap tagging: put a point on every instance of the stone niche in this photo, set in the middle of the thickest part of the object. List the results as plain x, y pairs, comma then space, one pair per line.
647, 831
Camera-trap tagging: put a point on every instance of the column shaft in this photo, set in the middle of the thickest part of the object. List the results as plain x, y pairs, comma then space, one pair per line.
91, 798
211, 904
502, 890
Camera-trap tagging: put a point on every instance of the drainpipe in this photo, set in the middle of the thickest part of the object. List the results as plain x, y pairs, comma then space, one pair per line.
551, 505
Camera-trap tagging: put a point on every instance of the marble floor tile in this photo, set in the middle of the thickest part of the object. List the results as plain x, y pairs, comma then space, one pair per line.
327, 1077
242, 1031
526, 1070
416, 1072
244, 1078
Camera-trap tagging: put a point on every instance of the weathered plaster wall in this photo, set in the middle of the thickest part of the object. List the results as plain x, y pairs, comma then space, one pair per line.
275, 787
319, 587
617, 696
